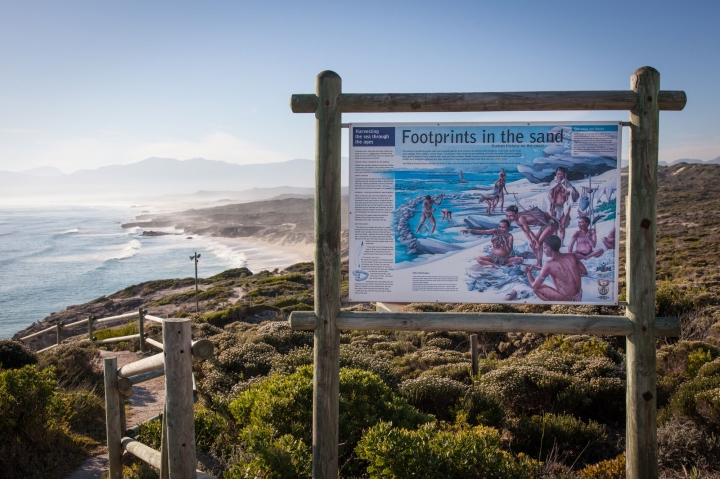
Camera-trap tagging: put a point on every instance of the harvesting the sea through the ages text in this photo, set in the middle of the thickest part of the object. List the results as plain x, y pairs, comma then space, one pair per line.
485, 213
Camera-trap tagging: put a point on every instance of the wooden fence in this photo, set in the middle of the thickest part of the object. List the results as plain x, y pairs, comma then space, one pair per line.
91, 321
176, 458
644, 101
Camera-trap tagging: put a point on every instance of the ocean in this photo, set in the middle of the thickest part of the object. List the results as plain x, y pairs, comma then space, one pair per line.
54, 257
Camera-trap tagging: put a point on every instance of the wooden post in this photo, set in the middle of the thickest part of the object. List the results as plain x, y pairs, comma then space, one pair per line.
473, 354
326, 381
179, 399
641, 447
164, 472
113, 425
90, 327
58, 332
141, 328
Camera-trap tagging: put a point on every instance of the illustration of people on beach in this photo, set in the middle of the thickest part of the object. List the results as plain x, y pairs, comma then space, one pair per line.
447, 215
502, 252
564, 269
428, 212
584, 240
533, 217
500, 189
560, 191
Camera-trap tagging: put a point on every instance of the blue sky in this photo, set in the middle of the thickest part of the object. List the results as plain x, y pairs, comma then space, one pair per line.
86, 84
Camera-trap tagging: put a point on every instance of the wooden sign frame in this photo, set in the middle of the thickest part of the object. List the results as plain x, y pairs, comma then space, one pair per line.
644, 100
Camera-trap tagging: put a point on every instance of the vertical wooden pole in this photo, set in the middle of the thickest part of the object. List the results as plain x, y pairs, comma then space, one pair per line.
642, 451
113, 426
178, 398
474, 354
326, 399
90, 327
58, 332
141, 328
164, 473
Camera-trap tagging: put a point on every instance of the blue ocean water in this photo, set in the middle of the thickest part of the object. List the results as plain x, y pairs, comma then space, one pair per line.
411, 184
51, 258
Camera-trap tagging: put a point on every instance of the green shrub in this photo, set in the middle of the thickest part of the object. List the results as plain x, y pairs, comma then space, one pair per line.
280, 336
14, 354
352, 356
275, 417
538, 435
692, 399
431, 452
124, 330
234, 273
235, 314
610, 469
290, 362
248, 360
442, 343
560, 383
588, 346
75, 366
84, 412
457, 372
480, 408
412, 365
35, 441
675, 298
434, 395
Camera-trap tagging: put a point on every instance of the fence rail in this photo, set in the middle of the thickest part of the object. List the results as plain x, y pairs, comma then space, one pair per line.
91, 321
177, 457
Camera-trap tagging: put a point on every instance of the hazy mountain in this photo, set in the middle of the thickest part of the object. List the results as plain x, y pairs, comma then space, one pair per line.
156, 177
43, 171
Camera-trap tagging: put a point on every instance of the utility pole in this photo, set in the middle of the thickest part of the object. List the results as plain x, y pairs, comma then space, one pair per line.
196, 258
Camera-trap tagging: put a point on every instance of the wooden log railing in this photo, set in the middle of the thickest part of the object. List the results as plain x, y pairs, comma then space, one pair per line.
177, 457
90, 323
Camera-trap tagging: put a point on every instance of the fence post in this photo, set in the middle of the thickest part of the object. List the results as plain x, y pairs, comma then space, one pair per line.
113, 424
641, 219
90, 327
141, 328
474, 354
326, 379
58, 332
179, 418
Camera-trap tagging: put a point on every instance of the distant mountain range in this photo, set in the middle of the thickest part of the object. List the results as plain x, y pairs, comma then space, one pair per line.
157, 177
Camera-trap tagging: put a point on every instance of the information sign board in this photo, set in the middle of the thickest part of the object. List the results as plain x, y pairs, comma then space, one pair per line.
485, 213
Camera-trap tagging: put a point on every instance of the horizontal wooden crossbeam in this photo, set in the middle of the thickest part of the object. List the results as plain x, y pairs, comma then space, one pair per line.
485, 322
465, 102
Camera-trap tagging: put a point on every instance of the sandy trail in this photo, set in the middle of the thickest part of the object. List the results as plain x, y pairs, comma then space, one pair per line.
147, 401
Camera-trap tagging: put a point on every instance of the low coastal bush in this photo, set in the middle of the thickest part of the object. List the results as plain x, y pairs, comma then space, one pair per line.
35, 438
439, 452
609, 469
537, 436
274, 420
76, 366
560, 383
434, 395
14, 354
684, 444
481, 408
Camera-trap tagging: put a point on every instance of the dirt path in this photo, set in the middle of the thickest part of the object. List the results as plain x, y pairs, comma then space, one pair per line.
147, 401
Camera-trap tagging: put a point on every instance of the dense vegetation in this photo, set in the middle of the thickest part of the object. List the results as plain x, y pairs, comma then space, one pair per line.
541, 406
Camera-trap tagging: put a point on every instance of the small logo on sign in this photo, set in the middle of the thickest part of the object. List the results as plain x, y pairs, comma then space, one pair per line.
603, 287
